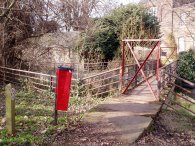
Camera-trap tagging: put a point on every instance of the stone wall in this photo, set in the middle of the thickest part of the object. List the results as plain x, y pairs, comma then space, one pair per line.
170, 13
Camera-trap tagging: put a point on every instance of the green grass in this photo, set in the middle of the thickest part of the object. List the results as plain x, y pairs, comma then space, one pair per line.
186, 104
20, 139
34, 119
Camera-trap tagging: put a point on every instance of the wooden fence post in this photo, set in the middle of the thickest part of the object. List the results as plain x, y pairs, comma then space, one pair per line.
10, 109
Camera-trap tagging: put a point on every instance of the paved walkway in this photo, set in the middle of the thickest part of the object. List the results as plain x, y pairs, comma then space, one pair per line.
125, 117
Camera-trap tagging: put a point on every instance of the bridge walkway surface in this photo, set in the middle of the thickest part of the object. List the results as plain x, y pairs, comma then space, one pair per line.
125, 117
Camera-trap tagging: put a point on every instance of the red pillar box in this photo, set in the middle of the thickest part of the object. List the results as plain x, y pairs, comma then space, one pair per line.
64, 76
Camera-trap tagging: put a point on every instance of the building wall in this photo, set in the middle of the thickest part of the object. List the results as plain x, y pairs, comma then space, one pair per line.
184, 26
169, 13
164, 15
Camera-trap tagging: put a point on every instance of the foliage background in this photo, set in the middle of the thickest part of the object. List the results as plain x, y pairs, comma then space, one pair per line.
102, 39
186, 67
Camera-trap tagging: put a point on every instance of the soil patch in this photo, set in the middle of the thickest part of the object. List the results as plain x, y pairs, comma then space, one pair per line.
170, 128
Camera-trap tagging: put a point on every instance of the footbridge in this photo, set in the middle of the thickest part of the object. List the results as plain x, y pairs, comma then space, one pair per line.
137, 91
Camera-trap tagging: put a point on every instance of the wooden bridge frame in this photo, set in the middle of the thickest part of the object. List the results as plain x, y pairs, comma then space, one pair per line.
128, 43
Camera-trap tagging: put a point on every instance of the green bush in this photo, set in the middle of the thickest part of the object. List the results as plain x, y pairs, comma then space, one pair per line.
186, 66
130, 21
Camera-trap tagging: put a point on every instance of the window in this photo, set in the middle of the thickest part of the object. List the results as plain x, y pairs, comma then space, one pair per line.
181, 43
153, 11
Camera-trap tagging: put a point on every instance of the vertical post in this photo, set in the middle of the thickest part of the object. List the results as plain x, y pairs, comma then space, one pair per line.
123, 63
10, 109
158, 62
123, 58
158, 71
121, 80
55, 108
51, 83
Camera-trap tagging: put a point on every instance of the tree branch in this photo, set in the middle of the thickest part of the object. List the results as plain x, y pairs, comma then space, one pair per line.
6, 12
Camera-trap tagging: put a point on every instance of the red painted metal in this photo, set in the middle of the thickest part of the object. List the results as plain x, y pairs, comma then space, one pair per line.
140, 68
123, 58
63, 89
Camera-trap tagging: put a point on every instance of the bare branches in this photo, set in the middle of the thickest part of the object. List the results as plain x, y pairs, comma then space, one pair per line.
6, 12
31, 18
76, 13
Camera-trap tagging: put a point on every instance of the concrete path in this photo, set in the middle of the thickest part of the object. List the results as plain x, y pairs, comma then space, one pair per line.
125, 117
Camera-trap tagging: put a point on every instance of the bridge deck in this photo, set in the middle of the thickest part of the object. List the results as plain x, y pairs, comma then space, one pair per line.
144, 90
124, 118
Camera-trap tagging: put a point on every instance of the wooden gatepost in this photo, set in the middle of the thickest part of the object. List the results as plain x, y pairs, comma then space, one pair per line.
10, 109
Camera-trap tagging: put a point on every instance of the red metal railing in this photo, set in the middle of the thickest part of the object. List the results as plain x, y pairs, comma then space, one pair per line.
129, 44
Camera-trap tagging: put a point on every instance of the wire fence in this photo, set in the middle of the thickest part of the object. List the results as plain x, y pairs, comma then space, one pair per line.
103, 84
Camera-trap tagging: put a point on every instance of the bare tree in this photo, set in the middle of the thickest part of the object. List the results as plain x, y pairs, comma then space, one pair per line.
20, 20
75, 14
